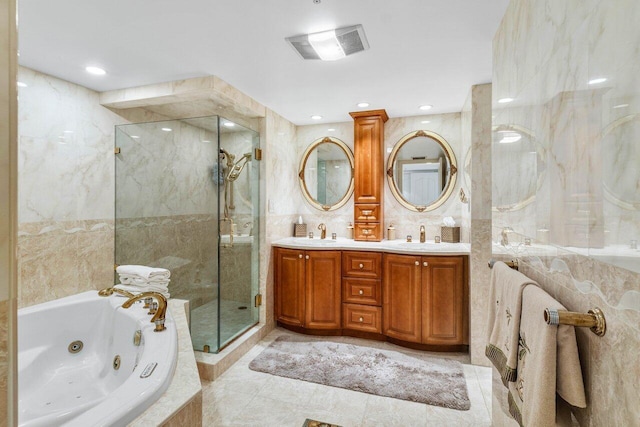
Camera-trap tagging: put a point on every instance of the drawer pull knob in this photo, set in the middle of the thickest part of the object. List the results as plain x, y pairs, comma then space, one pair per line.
361, 320
417, 262
307, 257
426, 264
361, 292
300, 256
361, 266
366, 231
367, 212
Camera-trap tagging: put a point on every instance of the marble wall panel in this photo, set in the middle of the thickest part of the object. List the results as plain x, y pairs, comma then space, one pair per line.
546, 56
187, 245
8, 213
279, 184
66, 184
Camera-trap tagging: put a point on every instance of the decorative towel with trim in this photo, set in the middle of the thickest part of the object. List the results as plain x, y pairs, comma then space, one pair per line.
145, 272
548, 362
505, 303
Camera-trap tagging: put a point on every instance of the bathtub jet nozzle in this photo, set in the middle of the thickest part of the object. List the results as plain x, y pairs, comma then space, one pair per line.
158, 317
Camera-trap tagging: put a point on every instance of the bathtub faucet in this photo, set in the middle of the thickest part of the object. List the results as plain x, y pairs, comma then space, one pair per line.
106, 292
158, 316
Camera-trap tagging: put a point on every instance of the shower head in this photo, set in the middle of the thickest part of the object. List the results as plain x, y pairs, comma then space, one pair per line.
238, 166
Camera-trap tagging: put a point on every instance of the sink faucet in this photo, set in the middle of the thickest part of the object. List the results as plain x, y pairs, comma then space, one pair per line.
158, 316
323, 230
110, 291
505, 236
423, 234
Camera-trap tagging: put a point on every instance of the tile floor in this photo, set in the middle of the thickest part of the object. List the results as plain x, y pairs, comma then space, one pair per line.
242, 397
204, 322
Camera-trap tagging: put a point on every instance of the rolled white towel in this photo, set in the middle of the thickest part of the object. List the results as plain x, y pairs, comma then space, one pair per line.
137, 289
144, 271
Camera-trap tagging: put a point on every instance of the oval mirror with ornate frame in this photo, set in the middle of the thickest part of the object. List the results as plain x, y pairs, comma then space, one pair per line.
422, 171
326, 173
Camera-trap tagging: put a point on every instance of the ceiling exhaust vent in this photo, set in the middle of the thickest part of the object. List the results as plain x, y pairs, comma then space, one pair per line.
330, 45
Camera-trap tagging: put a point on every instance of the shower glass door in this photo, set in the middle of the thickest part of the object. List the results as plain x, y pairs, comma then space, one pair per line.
238, 254
178, 198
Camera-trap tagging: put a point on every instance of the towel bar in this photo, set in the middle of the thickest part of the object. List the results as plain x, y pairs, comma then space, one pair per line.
513, 263
594, 319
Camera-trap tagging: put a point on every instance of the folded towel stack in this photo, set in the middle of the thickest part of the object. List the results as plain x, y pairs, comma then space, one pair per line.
139, 278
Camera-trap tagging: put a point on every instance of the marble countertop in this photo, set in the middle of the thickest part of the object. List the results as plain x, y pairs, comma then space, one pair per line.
398, 246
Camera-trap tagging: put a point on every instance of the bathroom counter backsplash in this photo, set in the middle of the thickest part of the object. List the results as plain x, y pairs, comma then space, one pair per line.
399, 246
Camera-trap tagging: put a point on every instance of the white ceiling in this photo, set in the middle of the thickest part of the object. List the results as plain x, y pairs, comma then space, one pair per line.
422, 51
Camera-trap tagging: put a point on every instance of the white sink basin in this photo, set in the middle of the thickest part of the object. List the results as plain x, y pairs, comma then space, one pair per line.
316, 242
419, 246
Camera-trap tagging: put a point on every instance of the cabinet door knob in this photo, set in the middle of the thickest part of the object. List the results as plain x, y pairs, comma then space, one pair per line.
361, 266
306, 257
361, 292
300, 256
361, 320
417, 262
425, 264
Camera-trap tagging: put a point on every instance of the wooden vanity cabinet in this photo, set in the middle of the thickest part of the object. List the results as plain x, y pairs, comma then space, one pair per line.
362, 291
425, 299
308, 288
369, 174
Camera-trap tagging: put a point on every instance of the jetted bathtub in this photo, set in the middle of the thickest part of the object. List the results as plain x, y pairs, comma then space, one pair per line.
82, 361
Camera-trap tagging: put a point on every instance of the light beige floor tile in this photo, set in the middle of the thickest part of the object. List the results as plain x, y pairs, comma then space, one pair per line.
288, 390
339, 401
242, 397
384, 411
268, 412
484, 379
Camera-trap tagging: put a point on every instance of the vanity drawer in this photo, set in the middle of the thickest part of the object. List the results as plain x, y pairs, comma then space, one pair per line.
361, 291
362, 318
367, 231
362, 264
367, 212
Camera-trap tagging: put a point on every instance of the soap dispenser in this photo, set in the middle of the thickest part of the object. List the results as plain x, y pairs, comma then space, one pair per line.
350, 231
391, 232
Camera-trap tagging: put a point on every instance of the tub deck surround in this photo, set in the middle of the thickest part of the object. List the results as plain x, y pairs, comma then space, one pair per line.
106, 380
183, 399
398, 246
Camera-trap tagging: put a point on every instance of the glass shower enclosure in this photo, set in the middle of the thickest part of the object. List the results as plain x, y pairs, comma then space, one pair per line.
187, 199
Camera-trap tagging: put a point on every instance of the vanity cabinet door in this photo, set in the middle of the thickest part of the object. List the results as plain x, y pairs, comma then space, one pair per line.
402, 297
290, 286
323, 290
444, 307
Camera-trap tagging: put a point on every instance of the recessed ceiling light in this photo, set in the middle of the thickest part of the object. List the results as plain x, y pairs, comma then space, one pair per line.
96, 71
316, 117
426, 107
331, 130
135, 137
621, 106
167, 129
20, 84
505, 100
363, 104
229, 124
426, 121
597, 80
